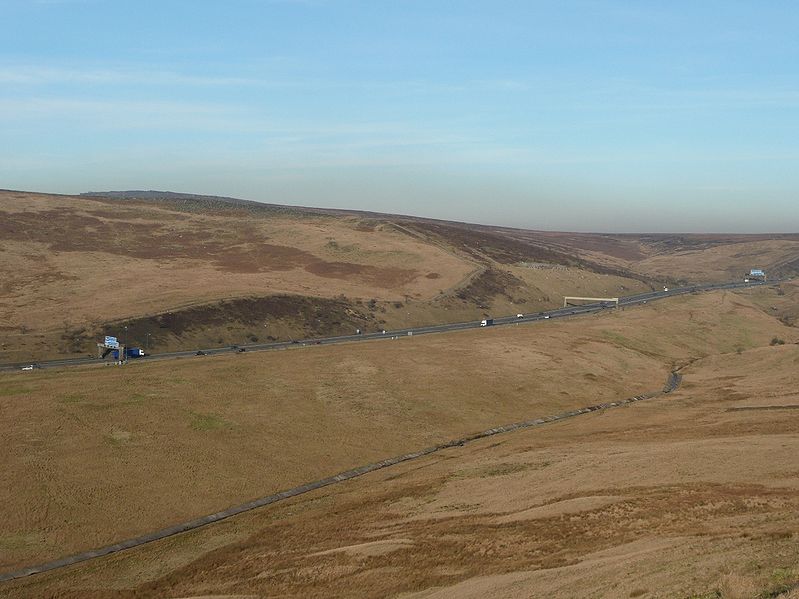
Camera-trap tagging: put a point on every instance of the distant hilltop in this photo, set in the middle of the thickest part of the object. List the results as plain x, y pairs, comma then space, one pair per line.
194, 201
197, 202
138, 194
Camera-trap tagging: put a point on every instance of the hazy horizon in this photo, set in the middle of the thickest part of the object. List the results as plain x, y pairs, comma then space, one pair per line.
590, 115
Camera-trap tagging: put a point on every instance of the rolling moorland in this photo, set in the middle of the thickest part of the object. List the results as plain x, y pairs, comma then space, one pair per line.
688, 495
172, 271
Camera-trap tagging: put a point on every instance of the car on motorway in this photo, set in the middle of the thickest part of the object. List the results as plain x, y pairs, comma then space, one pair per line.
520, 316
31, 367
546, 316
201, 353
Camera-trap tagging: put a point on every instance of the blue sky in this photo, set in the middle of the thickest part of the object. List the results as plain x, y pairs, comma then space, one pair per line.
575, 115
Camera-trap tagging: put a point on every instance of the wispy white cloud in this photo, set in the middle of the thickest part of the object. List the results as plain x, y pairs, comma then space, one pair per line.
300, 139
298, 2
54, 2
38, 75
124, 75
98, 110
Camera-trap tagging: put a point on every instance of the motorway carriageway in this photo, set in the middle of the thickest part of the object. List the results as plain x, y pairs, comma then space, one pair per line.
630, 300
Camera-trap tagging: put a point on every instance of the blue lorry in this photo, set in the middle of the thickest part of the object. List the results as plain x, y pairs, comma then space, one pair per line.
130, 352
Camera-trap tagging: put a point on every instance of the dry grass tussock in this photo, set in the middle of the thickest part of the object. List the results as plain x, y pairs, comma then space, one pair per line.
737, 586
783, 583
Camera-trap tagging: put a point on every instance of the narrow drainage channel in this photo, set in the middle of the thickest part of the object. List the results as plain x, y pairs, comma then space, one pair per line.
672, 383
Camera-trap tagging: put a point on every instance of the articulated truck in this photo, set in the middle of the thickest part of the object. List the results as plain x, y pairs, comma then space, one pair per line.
130, 352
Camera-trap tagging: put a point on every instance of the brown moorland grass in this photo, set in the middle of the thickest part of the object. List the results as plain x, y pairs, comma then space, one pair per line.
723, 262
67, 263
687, 257
679, 497
102, 453
237, 427
75, 268
780, 300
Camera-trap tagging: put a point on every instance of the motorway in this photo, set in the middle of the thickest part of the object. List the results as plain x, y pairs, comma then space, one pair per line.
630, 300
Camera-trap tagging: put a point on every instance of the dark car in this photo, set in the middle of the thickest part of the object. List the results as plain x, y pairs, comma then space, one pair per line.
200, 353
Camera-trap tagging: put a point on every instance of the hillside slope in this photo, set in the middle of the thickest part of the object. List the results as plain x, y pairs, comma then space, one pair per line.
612, 496
182, 272
178, 271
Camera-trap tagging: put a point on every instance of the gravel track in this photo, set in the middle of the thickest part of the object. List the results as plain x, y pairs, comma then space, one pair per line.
672, 383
